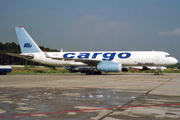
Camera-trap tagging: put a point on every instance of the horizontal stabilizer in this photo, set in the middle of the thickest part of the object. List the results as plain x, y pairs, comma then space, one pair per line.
24, 56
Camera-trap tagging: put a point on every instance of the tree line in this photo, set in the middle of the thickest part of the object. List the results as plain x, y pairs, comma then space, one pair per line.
15, 48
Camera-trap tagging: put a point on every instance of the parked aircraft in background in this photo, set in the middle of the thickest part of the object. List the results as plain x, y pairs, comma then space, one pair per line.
88, 61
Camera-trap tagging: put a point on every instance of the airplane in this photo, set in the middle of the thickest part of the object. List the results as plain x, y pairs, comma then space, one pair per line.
90, 62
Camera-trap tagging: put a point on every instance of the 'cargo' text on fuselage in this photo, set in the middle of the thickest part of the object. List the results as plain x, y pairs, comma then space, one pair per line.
106, 56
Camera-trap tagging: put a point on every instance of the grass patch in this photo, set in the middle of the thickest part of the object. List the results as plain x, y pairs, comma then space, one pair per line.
61, 70
42, 70
168, 70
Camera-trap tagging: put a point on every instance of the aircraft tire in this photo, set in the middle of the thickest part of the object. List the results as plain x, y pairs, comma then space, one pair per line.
3, 73
91, 73
87, 73
156, 73
99, 73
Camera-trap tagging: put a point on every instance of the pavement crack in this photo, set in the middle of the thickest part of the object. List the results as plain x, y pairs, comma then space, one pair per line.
140, 96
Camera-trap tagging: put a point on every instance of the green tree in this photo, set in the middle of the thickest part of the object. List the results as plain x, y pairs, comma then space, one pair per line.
15, 48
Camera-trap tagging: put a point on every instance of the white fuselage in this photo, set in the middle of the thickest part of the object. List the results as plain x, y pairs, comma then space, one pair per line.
126, 58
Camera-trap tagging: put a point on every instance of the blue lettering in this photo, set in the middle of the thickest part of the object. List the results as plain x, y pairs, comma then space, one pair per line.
27, 45
106, 56
140, 63
83, 55
110, 56
124, 55
66, 55
95, 55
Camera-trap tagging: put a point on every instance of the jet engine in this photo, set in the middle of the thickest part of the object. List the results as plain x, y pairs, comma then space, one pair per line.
109, 66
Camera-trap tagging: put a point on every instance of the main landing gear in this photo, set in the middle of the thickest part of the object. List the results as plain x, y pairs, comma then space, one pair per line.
93, 72
3, 73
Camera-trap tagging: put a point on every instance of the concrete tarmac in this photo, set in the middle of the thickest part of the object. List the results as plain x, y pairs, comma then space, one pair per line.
121, 96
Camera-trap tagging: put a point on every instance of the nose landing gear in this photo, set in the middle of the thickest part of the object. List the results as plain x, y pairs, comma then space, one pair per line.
158, 72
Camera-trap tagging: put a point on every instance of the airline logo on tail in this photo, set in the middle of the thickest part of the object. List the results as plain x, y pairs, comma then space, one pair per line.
27, 45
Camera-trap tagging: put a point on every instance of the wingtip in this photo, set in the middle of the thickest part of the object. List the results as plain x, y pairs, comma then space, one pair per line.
20, 26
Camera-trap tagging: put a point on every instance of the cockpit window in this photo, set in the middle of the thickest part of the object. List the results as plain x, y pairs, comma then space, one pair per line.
168, 56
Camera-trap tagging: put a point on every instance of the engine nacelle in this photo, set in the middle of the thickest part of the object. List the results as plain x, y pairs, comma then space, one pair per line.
109, 66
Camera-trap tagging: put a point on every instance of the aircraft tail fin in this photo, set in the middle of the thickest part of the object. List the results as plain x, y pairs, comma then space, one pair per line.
27, 44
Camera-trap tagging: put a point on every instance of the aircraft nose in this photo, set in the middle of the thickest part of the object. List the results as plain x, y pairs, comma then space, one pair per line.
175, 61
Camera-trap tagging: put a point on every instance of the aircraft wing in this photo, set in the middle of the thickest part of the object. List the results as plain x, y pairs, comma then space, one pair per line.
27, 56
73, 59
77, 60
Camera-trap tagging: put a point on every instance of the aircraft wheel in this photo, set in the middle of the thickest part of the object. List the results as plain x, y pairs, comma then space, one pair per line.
87, 73
91, 73
156, 73
3, 73
99, 73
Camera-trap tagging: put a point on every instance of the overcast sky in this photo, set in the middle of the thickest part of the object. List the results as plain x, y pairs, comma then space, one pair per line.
87, 25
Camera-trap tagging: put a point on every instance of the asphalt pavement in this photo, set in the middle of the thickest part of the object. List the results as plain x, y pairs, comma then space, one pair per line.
115, 96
